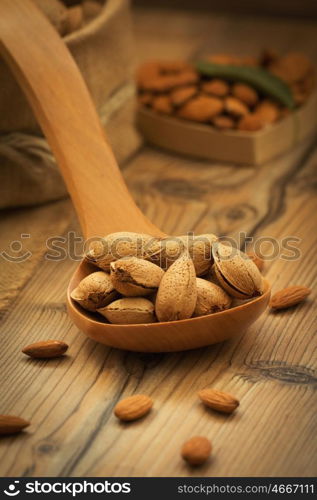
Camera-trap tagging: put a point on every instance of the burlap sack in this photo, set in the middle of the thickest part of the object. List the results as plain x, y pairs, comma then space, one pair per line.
103, 50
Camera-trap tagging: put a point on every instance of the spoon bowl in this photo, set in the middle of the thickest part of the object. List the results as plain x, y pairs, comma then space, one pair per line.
169, 336
57, 93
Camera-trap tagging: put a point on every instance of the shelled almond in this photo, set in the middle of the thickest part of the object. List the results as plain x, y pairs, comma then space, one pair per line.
218, 400
10, 424
133, 407
46, 349
196, 450
289, 297
182, 90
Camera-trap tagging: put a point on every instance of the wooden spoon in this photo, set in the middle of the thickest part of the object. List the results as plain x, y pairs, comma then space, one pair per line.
61, 102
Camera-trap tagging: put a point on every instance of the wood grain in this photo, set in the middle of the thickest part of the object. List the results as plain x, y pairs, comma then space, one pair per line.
271, 369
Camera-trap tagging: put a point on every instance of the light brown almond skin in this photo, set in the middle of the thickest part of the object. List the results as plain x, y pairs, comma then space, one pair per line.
133, 407
9, 424
135, 277
201, 108
198, 247
235, 107
267, 111
223, 122
245, 93
94, 291
291, 67
177, 294
196, 450
236, 272
162, 104
114, 246
289, 297
129, 311
218, 400
251, 123
216, 87
167, 82
46, 349
200, 250
74, 18
183, 94
210, 298
258, 261
91, 8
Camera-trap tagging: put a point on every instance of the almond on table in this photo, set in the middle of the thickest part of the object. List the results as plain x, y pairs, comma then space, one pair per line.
218, 400
46, 349
133, 407
10, 424
196, 450
289, 297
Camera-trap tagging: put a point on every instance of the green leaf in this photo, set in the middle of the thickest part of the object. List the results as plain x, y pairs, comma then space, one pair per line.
259, 78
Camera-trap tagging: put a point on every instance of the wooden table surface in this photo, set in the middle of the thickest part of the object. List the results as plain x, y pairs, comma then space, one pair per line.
271, 368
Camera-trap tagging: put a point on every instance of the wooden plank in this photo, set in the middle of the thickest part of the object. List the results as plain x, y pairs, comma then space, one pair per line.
23, 244
70, 401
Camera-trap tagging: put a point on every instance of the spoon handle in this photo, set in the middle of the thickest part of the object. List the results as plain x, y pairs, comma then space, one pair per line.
60, 100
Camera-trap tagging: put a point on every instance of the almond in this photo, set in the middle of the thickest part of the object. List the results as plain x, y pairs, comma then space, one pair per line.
133, 407
162, 104
94, 291
210, 298
257, 260
223, 122
74, 18
251, 123
114, 246
235, 107
46, 349
196, 450
245, 93
177, 294
219, 401
129, 311
181, 95
135, 277
289, 297
9, 424
267, 111
236, 272
201, 108
216, 87
91, 8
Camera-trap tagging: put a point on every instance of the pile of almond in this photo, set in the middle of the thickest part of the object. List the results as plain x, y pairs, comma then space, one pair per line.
176, 88
70, 15
142, 279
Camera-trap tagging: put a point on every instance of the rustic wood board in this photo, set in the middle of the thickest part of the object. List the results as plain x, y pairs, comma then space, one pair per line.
271, 368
